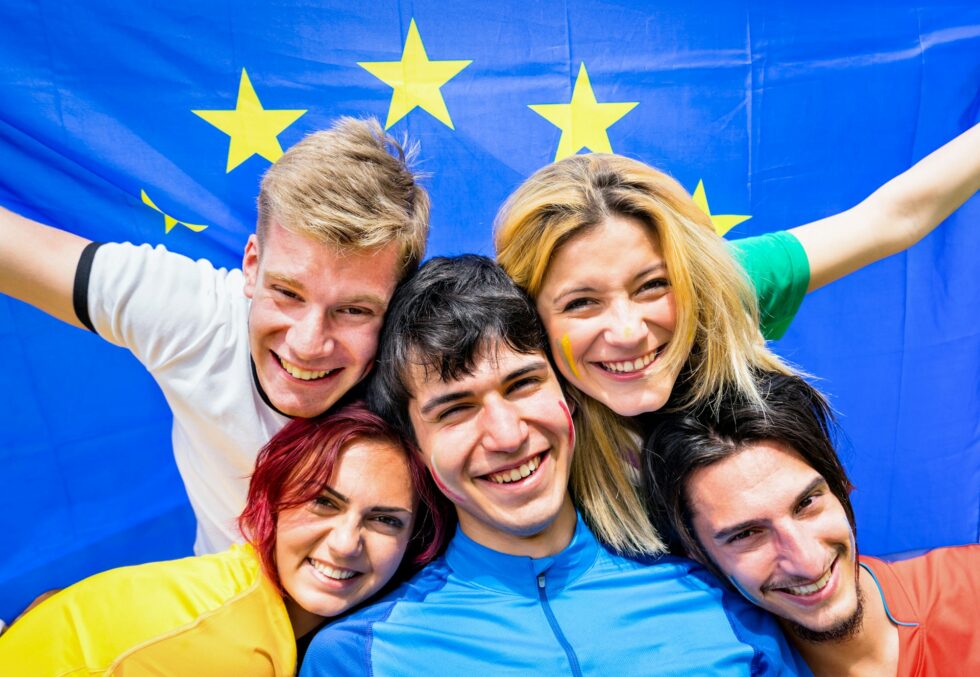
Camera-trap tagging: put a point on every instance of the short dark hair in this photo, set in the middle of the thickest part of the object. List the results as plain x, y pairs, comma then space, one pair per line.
793, 413
441, 319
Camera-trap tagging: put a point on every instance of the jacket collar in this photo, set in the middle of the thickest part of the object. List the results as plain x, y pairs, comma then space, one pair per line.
479, 565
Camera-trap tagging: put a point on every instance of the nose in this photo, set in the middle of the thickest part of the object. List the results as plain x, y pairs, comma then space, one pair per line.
801, 553
503, 429
309, 337
625, 324
344, 538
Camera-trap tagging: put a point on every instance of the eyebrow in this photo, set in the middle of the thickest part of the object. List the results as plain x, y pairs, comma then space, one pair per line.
655, 268
456, 395
371, 299
377, 508
285, 279
723, 534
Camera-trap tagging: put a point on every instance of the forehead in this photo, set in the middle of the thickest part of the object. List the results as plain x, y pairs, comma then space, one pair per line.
614, 227
493, 364
310, 261
763, 479
373, 471
604, 249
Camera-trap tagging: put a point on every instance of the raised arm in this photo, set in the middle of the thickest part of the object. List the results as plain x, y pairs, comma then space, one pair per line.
895, 216
37, 264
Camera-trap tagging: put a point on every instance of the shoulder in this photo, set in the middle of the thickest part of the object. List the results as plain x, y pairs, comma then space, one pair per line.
955, 569
118, 261
666, 570
127, 614
348, 641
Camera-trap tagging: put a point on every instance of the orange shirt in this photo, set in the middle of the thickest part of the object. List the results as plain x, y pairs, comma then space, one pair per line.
934, 600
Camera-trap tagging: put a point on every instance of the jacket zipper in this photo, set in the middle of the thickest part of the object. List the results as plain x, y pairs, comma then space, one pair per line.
553, 622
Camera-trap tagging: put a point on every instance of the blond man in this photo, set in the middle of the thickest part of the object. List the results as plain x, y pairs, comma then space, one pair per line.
239, 352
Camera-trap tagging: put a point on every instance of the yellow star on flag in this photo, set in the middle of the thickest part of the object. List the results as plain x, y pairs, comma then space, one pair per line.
416, 80
253, 129
583, 121
722, 222
168, 221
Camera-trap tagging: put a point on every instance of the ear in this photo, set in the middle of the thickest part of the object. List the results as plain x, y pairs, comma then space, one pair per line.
250, 265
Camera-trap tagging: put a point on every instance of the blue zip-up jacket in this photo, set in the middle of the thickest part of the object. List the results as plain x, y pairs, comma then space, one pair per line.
584, 611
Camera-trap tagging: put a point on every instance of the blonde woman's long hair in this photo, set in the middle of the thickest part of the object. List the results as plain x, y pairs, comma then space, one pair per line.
716, 345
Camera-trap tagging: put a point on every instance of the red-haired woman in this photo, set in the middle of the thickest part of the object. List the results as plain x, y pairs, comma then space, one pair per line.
336, 507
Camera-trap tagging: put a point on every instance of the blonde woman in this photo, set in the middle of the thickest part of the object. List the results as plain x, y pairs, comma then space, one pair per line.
640, 297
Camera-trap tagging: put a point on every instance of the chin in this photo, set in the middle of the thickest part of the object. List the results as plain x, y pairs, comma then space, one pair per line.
632, 407
840, 630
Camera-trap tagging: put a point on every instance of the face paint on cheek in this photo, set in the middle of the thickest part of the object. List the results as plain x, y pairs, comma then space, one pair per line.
441, 483
566, 352
571, 425
743, 591
627, 331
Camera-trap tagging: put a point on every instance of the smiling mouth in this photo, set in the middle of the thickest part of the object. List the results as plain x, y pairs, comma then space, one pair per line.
303, 374
518, 473
332, 572
810, 588
629, 366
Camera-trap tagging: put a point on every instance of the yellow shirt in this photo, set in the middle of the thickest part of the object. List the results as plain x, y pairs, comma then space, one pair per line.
209, 615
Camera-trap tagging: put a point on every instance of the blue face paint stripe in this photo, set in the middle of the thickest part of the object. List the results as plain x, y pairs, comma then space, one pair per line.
742, 591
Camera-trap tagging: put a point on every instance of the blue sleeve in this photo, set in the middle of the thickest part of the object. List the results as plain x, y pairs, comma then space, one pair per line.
343, 648
759, 629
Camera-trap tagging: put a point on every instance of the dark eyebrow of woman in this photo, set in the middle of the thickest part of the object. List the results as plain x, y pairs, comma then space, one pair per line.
377, 508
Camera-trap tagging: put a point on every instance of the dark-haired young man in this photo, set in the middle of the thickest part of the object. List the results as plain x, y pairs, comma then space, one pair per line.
524, 587
758, 494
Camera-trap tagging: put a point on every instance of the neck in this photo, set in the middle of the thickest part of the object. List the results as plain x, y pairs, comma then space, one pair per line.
303, 621
548, 541
872, 650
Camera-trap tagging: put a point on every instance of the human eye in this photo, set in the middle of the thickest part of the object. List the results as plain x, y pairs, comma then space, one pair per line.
527, 382
357, 311
809, 502
742, 536
452, 413
323, 504
286, 293
577, 304
655, 285
390, 522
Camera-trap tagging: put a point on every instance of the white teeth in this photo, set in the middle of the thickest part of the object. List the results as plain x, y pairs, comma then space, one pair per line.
330, 572
514, 474
301, 374
628, 366
812, 587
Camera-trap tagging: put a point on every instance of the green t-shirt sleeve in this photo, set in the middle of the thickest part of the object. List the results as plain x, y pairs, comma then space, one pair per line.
777, 265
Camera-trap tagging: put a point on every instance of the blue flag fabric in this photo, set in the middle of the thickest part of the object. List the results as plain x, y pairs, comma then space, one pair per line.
154, 122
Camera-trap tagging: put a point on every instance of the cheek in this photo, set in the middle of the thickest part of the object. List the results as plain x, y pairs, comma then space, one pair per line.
291, 551
439, 472
361, 341
571, 425
746, 592
566, 358
386, 554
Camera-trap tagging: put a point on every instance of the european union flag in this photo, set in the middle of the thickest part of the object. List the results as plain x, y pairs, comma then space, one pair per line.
153, 123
